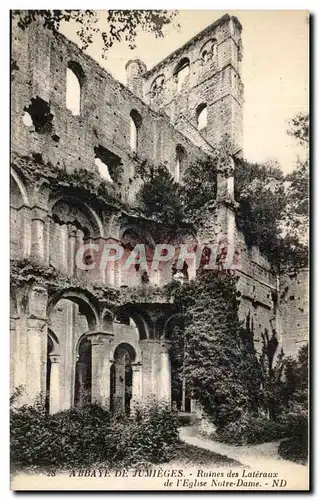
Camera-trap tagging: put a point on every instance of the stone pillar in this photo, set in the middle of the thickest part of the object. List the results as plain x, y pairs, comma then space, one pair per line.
14, 365
137, 394
38, 241
165, 377
54, 390
36, 358
26, 226
101, 368
72, 230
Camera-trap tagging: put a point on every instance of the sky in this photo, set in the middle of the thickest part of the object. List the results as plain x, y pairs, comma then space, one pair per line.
274, 71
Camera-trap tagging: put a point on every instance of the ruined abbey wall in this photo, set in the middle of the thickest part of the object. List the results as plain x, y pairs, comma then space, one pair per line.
67, 339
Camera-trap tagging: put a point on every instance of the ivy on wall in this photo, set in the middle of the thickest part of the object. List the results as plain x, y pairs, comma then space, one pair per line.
219, 362
174, 204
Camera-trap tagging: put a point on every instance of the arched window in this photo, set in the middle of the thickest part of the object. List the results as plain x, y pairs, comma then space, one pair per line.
201, 116
180, 157
209, 51
135, 124
157, 85
74, 81
181, 73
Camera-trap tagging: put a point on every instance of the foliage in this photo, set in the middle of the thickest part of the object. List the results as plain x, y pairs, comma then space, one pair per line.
87, 184
220, 362
174, 204
259, 190
91, 435
159, 194
295, 395
26, 272
115, 27
199, 189
299, 128
252, 429
272, 367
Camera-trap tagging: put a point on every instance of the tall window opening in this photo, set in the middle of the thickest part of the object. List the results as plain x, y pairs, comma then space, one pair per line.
180, 157
181, 73
74, 80
201, 116
135, 125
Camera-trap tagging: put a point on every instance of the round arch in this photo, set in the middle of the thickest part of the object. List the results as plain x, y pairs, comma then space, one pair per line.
176, 319
21, 187
84, 300
68, 208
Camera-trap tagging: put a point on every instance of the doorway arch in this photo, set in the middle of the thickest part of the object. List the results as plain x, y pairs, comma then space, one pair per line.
122, 378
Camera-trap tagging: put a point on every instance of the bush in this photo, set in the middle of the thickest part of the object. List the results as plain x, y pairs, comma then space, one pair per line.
91, 435
295, 450
252, 430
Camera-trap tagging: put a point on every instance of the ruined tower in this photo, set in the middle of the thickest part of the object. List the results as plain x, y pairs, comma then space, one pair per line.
199, 85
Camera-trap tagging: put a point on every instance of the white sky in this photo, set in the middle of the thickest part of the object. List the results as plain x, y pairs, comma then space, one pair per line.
274, 71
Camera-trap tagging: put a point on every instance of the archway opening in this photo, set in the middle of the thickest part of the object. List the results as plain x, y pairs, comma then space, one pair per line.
122, 378
83, 375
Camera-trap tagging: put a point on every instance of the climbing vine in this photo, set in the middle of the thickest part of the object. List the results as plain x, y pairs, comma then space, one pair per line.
174, 204
219, 362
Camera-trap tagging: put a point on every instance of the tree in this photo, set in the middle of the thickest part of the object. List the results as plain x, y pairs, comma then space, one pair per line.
297, 213
220, 363
119, 25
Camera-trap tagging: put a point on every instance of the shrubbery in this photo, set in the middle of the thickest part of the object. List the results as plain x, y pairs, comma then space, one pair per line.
91, 435
252, 430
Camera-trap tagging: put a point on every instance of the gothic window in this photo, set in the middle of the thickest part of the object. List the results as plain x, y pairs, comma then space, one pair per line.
180, 157
201, 116
135, 125
74, 81
157, 85
209, 51
181, 73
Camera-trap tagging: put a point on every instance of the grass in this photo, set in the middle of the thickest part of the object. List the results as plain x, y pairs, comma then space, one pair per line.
189, 455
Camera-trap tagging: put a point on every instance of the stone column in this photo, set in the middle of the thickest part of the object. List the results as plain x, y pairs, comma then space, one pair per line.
101, 368
54, 391
36, 358
165, 378
38, 245
71, 248
137, 394
26, 226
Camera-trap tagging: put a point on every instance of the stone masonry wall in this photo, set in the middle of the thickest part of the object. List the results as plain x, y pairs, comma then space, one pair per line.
215, 80
104, 120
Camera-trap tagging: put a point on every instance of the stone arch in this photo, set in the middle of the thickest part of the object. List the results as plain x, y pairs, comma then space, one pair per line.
121, 375
74, 82
180, 158
21, 187
181, 72
55, 342
209, 50
69, 209
139, 235
86, 302
83, 372
127, 313
176, 319
157, 85
135, 125
201, 116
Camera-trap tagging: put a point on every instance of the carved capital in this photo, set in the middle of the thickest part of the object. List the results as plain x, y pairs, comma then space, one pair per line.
39, 213
136, 366
165, 346
54, 358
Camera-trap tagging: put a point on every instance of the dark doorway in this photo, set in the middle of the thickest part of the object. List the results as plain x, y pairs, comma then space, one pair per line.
83, 375
122, 378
